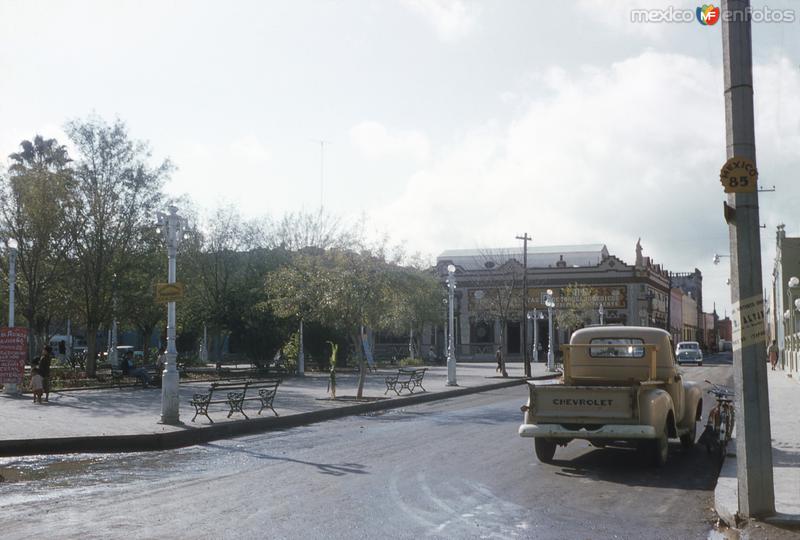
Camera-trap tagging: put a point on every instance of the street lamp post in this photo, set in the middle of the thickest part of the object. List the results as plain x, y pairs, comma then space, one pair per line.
172, 224
793, 282
451, 354
11, 388
535, 316
550, 304
601, 311
786, 316
112, 350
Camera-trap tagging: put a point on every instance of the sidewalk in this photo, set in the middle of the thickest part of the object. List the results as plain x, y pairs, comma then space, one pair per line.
113, 419
784, 401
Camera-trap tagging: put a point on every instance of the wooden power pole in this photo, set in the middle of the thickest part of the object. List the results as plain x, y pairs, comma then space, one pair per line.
526, 360
739, 175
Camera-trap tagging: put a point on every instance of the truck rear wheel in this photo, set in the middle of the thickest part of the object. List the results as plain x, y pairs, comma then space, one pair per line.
688, 438
545, 449
659, 449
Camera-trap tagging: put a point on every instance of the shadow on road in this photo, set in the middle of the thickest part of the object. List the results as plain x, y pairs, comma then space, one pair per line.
323, 468
686, 470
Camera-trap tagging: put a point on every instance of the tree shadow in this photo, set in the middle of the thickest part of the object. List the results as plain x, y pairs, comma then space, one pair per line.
323, 468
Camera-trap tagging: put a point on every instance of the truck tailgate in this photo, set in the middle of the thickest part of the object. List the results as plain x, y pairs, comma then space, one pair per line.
562, 403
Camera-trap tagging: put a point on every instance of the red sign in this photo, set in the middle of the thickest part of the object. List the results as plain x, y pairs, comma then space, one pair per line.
13, 353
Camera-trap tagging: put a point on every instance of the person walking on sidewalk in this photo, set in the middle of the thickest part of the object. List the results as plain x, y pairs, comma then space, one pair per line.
772, 353
37, 385
44, 370
501, 365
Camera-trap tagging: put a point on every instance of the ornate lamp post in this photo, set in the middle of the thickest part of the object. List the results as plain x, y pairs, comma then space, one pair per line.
171, 224
112, 350
793, 282
451, 354
11, 388
550, 303
535, 316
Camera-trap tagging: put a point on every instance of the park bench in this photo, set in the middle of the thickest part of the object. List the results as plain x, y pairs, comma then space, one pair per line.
235, 395
405, 379
118, 378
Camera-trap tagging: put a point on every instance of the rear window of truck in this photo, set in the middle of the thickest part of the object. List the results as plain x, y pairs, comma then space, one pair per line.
616, 348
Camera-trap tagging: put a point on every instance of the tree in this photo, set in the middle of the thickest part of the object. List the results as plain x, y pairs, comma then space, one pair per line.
135, 287
415, 297
37, 196
116, 192
226, 268
577, 307
502, 297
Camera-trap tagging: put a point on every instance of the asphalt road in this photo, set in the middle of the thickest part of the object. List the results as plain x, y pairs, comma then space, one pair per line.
446, 469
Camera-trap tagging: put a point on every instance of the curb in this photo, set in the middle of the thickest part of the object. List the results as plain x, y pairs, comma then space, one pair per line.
177, 439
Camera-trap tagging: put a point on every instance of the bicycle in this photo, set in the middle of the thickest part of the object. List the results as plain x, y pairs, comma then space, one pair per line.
721, 418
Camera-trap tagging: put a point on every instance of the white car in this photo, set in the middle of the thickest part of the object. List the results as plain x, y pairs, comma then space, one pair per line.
688, 352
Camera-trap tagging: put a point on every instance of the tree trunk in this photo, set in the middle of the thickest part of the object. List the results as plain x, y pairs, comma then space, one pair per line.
91, 351
362, 364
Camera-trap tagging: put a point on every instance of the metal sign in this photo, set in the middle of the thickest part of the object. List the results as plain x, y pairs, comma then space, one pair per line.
747, 318
13, 352
169, 292
739, 175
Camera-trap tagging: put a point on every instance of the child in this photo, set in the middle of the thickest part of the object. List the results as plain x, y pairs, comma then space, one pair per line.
37, 384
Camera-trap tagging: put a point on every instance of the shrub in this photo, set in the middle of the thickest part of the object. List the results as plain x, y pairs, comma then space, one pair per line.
411, 362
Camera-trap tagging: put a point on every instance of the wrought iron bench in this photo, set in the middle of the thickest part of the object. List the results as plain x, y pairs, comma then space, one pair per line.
405, 379
235, 393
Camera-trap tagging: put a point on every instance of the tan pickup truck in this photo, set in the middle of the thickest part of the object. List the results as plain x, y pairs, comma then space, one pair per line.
620, 384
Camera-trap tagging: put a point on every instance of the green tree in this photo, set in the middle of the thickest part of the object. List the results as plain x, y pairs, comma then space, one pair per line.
349, 291
37, 195
415, 297
116, 192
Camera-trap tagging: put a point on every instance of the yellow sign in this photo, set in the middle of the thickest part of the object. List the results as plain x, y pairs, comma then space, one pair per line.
739, 175
169, 292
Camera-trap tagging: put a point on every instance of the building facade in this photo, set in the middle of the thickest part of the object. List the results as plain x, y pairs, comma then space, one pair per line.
489, 309
784, 318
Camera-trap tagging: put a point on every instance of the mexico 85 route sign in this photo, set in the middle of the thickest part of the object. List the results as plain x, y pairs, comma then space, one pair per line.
739, 175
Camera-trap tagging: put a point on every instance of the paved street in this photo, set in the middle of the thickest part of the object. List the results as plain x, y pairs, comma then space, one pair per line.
449, 469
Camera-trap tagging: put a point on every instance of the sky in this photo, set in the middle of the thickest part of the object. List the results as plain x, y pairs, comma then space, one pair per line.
447, 124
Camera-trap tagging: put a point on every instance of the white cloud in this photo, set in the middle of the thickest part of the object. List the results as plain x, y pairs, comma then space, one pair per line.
374, 141
617, 15
451, 19
220, 173
612, 154
249, 147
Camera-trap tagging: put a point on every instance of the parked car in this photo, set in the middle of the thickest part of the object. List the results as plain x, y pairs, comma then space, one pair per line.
693, 347
690, 356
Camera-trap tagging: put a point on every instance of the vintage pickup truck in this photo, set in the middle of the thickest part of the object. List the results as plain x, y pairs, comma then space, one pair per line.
620, 385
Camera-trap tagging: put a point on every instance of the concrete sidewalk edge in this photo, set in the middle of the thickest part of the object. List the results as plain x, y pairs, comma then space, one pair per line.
726, 494
189, 437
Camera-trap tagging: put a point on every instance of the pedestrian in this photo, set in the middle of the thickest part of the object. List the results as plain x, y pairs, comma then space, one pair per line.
129, 368
431, 356
501, 364
44, 370
772, 353
37, 385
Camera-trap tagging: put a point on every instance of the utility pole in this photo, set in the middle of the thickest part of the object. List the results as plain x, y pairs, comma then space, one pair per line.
753, 441
526, 361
